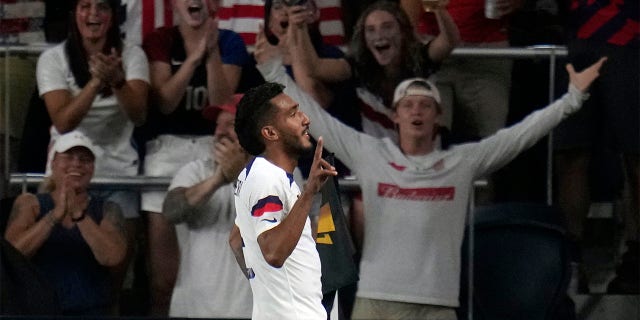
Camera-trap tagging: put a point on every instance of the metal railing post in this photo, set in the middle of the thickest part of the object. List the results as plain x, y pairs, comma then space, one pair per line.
6, 113
470, 247
552, 85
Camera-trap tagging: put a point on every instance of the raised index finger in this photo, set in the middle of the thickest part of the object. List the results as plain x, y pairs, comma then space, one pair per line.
318, 153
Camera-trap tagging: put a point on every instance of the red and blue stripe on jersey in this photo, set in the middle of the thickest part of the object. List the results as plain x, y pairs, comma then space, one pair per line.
267, 204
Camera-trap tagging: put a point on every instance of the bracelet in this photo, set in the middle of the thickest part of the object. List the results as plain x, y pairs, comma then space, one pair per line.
78, 219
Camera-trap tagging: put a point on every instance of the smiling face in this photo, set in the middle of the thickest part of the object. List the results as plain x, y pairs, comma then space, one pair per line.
416, 117
93, 18
292, 125
383, 37
74, 166
195, 12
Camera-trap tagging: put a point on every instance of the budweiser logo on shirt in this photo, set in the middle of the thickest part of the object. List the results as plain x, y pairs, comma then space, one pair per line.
417, 194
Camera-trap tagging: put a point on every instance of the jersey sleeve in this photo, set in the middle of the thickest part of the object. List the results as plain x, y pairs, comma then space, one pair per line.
267, 204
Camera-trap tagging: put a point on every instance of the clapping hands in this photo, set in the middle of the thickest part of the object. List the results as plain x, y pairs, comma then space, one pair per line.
230, 156
208, 43
107, 68
68, 202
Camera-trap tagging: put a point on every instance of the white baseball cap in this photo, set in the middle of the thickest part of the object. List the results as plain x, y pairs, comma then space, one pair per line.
416, 87
74, 139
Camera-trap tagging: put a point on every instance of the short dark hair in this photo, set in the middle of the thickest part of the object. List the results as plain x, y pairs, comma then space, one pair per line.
254, 110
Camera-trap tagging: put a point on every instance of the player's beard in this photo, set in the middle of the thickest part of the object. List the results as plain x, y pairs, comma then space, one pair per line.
295, 145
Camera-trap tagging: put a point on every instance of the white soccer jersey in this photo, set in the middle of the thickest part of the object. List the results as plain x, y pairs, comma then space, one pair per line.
264, 195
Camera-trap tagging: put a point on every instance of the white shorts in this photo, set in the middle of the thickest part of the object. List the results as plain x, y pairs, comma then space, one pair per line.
165, 156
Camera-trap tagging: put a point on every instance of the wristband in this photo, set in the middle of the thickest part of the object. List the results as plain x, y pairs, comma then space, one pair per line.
78, 219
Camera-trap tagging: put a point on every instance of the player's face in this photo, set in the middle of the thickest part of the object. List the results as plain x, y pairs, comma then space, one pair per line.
193, 12
292, 125
382, 36
416, 117
75, 166
93, 18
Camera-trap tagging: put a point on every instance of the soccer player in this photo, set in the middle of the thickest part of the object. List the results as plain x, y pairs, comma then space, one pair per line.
272, 214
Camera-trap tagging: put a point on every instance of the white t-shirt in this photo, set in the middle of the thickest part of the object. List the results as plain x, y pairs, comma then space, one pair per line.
264, 196
106, 123
210, 283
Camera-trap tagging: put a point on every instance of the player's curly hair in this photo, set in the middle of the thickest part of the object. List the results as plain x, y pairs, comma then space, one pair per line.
255, 110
